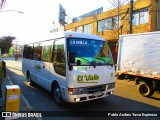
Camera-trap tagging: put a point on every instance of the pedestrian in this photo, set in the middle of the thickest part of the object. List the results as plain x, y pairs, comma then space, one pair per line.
16, 57
1, 77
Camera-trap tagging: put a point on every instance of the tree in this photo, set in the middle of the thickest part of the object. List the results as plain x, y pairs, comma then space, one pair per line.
6, 43
117, 4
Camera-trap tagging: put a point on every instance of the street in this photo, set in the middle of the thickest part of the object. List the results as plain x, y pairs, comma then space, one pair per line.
125, 97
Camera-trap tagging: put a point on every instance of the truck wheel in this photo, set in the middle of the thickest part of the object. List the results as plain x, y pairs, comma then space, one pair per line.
29, 79
145, 90
57, 95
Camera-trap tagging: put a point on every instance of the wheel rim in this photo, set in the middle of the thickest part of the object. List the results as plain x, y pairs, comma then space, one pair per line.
58, 95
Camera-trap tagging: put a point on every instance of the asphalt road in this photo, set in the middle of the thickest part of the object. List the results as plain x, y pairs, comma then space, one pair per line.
124, 99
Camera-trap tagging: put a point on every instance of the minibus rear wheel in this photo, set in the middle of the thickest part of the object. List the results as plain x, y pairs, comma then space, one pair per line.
29, 79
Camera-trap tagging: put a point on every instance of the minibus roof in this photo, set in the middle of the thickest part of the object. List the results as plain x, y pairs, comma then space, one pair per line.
68, 34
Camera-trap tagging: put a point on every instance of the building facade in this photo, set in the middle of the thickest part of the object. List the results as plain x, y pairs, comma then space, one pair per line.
112, 23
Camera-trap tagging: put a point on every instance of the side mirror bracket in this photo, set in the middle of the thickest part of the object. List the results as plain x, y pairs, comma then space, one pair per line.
71, 59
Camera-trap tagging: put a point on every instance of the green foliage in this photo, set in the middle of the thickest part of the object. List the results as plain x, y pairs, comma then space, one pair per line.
6, 43
11, 51
4, 55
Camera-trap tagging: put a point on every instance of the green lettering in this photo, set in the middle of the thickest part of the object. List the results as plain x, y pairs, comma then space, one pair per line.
37, 67
91, 77
87, 78
96, 77
79, 78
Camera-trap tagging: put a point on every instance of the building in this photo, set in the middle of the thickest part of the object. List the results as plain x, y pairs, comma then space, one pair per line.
112, 23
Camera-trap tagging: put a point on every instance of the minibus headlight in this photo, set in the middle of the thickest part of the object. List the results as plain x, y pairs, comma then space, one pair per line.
110, 85
70, 91
76, 91
82, 90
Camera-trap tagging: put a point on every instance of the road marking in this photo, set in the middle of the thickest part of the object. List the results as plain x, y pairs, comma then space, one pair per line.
9, 80
29, 106
27, 103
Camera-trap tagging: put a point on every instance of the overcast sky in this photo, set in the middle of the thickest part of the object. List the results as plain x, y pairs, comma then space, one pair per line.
39, 15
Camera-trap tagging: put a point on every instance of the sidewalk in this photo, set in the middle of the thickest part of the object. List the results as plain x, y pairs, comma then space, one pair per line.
23, 106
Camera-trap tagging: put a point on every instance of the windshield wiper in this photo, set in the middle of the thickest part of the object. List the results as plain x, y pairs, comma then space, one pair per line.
99, 58
106, 63
109, 64
93, 63
84, 59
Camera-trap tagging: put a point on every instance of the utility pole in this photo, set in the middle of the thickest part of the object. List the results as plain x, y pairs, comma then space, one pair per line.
118, 16
131, 13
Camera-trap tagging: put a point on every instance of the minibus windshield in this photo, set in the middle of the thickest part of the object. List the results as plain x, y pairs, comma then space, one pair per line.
89, 51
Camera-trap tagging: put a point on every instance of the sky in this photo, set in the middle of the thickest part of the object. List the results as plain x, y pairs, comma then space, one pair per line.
38, 16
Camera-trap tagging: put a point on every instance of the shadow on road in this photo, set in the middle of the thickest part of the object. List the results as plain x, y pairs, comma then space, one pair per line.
155, 98
14, 68
111, 103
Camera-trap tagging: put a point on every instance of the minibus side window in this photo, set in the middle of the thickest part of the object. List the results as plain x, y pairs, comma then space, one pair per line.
28, 51
59, 57
46, 53
37, 52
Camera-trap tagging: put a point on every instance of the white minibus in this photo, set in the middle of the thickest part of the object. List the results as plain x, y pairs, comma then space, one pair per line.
74, 67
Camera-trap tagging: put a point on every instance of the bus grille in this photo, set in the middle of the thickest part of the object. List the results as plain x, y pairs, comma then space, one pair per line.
96, 88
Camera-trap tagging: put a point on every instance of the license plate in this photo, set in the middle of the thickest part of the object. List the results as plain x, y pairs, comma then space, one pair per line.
98, 93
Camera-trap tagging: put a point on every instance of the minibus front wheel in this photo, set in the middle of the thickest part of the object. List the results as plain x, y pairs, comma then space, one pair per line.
57, 95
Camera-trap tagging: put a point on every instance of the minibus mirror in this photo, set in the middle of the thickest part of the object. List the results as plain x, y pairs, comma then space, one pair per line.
71, 59
71, 56
78, 62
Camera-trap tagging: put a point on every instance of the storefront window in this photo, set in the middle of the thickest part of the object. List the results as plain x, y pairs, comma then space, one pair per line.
108, 24
79, 29
115, 22
88, 28
144, 16
140, 17
135, 20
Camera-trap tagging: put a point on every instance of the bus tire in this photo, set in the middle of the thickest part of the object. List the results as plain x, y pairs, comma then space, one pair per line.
29, 79
145, 90
57, 95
